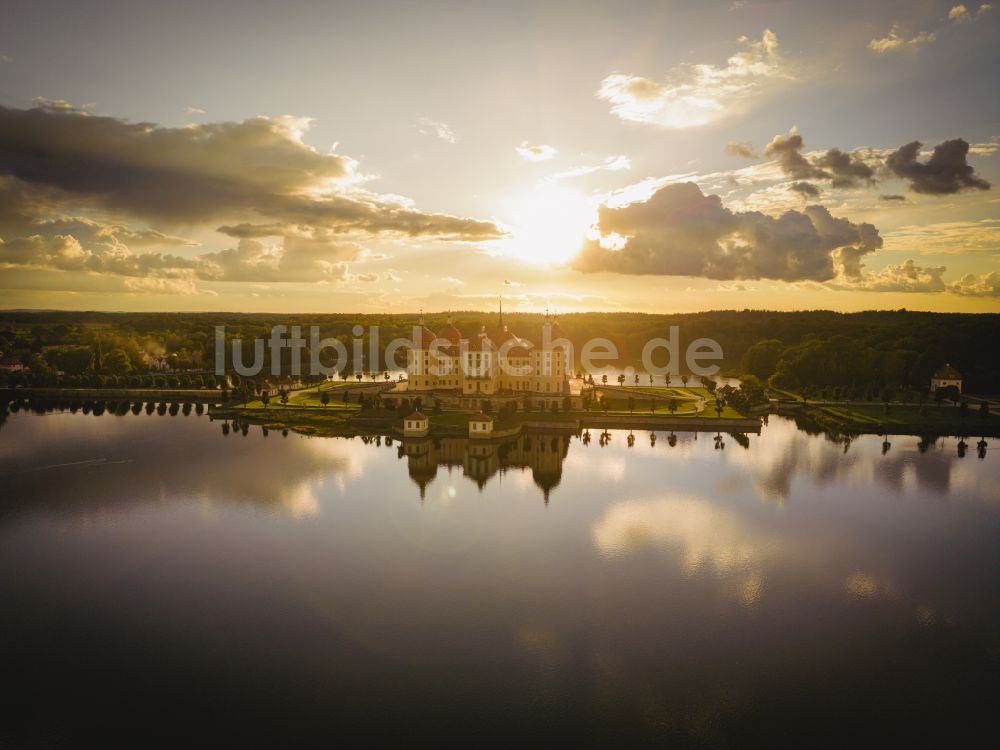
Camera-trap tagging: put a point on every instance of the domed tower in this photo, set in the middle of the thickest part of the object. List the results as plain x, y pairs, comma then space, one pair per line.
450, 333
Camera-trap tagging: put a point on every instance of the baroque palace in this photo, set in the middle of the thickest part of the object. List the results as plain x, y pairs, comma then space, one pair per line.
494, 362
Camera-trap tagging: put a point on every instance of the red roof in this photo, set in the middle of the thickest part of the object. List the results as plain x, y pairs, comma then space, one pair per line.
947, 373
416, 415
451, 333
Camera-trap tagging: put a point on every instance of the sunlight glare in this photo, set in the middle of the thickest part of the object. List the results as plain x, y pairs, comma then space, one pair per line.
550, 223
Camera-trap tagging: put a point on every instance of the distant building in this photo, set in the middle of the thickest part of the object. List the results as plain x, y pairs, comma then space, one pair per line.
945, 377
416, 425
481, 426
488, 362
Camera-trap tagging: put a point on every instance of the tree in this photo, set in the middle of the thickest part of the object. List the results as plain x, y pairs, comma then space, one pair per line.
265, 397
672, 406
637, 378
684, 380
952, 394
621, 380
718, 408
761, 359
117, 362
604, 379
650, 379
324, 398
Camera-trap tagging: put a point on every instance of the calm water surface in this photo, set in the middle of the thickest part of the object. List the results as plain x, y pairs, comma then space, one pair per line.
162, 582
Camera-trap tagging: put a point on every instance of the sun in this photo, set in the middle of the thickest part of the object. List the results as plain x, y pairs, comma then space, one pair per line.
549, 224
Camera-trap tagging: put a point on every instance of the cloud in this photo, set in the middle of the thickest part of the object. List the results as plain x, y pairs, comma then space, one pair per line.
541, 152
960, 14
508, 282
842, 169
194, 110
987, 285
960, 237
944, 173
611, 164
60, 105
847, 170
788, 151
896, 41
679, 231
204, 173
698, 94
893, 198
742, 149
427, 126
904, 277
295, 259
805, 189
177, 287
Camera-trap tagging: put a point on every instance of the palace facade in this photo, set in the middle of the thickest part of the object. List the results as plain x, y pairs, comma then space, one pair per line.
488, 362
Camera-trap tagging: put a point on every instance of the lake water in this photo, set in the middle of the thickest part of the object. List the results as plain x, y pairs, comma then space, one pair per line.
162, 582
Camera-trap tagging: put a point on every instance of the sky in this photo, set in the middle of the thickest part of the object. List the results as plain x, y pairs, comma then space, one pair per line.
391, 156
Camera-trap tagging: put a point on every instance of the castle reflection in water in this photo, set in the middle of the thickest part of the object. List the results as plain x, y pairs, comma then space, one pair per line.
543, 454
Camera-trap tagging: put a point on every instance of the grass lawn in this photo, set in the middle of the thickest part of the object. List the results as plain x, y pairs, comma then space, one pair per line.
910, 415
656, 391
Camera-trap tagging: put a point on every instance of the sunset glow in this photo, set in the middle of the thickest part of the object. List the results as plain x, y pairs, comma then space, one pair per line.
713, 154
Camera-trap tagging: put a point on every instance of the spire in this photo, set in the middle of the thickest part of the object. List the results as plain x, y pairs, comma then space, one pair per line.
501, 313
421, 316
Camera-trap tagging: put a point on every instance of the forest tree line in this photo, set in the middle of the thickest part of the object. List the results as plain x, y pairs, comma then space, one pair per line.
818, 350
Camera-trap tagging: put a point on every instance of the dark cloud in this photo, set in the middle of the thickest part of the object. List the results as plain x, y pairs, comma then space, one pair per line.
200, 173
806, 189
788, 151
893, 198
842, 169
846, 170
945, 172
680, 231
